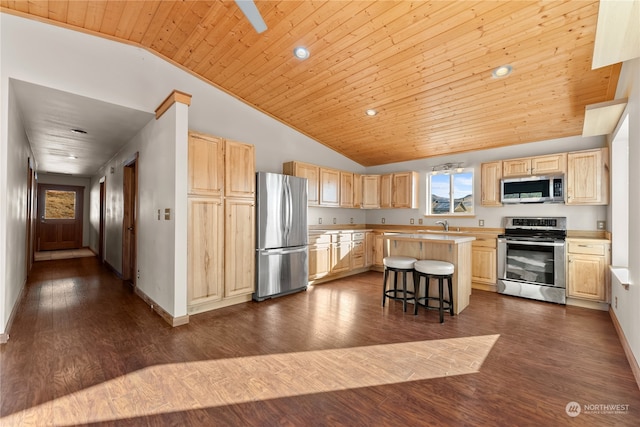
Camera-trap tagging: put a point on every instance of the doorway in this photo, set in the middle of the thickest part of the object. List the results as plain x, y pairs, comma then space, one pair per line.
103, 206
59, 217
129, 223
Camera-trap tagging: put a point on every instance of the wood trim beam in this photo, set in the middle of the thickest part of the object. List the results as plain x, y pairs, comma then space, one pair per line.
175, 96
602, 118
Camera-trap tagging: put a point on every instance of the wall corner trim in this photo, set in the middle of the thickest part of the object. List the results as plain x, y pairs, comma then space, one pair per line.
625, 345
173, 321
175, 96
5, 336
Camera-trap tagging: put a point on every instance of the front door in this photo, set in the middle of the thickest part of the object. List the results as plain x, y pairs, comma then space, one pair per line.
59, 217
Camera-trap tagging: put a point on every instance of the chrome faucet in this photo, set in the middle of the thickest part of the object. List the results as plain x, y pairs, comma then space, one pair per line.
444, 224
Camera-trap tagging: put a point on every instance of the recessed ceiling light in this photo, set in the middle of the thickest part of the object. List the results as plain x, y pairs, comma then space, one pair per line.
301, 52
501, 71
371, 112
79, 131
71, 156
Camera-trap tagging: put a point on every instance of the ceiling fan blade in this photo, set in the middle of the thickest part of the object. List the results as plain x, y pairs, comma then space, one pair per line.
250, 10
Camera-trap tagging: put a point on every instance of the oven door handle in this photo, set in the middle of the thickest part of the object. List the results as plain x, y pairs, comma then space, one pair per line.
530, 243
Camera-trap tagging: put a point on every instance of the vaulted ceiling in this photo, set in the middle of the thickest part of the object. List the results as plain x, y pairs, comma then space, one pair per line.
424, 66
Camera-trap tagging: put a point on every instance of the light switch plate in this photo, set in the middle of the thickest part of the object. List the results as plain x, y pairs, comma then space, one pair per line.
383, 220
601, 225
411, 221
481, 223
319, 220
420, 221
167, 214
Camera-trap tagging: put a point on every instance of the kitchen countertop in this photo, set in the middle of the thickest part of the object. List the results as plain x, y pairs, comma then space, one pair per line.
431, 237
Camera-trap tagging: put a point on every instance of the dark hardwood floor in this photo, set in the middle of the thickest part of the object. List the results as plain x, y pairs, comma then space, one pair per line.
84, 349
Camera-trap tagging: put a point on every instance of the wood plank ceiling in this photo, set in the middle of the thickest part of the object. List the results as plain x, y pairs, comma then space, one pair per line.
424, 66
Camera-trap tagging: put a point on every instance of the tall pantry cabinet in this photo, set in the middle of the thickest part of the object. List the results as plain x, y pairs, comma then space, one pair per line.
221, 222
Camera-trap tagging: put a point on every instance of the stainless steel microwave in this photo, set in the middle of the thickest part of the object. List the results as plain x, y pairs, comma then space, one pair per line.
533, 189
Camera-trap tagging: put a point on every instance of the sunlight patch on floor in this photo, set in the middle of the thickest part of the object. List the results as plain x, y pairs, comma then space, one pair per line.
62, 254
204, 384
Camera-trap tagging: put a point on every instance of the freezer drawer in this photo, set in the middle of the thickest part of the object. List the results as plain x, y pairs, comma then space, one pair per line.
281, 271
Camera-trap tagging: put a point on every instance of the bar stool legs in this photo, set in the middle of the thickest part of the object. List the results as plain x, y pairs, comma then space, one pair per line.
434, 270
397, 264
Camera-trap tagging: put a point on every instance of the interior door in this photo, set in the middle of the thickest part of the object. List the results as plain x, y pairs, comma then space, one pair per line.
59, 217
129, 222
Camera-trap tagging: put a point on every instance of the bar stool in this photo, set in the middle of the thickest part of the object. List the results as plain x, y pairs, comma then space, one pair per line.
437, 270
397, 264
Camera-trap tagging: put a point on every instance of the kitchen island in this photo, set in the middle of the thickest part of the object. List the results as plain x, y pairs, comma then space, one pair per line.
442, 247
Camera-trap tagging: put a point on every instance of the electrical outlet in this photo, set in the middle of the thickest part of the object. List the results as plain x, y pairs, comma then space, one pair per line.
420, 221
601, 225
334, 220
319, 220
159, 215
411, 221
383, 220
138, 275
481, 223
616, 304
350, 220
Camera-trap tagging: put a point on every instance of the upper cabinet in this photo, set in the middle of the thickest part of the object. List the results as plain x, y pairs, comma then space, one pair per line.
371, 191
405, 190
357, 190
346, 190
587, 179
240, 169
309, 171
386, 188
491, 173
329, 187
543, 165
206, 165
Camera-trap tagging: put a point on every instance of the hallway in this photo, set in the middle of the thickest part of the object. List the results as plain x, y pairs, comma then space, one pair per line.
85, 349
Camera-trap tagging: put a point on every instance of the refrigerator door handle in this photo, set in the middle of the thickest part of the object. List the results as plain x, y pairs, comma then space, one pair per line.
284, 251
287, 190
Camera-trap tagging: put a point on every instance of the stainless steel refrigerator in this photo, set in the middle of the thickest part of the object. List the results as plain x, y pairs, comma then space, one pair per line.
282, 265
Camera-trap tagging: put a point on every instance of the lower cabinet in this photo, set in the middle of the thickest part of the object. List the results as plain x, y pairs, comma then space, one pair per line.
587, 267
484, 263
340, 253
378, 250
239, 248
319, 260
357, 253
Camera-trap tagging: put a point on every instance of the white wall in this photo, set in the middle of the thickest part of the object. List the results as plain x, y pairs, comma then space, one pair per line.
628, 307
45, 178
14, 157
578, 217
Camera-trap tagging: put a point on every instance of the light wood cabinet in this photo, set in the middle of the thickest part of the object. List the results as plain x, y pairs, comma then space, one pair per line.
206, 165
239, 169
357, 253
405, 190
386, 190
329, 187
346, 189
319, 256
378, 250
484, 265
369, 241
221, 222
239, 248
371, 191
491, 174
205, 246
587, 269
552, 164
357, 190
340, 253
309, 171
587, 179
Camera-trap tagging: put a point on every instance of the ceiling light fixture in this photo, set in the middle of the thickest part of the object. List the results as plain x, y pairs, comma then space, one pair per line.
447, 168
371, 112
79, 131
301, 52
71, 156
501, 71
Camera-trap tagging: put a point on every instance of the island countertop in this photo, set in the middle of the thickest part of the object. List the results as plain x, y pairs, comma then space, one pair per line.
452, 248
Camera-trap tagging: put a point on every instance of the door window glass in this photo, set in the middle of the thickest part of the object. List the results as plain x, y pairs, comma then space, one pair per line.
60, 204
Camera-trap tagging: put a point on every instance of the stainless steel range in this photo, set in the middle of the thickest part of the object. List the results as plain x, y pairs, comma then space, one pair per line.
531, 258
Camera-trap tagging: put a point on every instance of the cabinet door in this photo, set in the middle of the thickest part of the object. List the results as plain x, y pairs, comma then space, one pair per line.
240, 169
386, 184
340, 257
357, 190
587, 178
205, 246
357, 254
549, 165
491, 173
483, 265
516, 167
405, 190
319, 261
346, 189
587, 279
370, 191
378, 251
206, 165
329, 187
239, 248
309, 171
369, 242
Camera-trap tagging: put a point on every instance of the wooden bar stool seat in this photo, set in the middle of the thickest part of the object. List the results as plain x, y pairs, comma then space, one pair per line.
397, 264
440, 270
